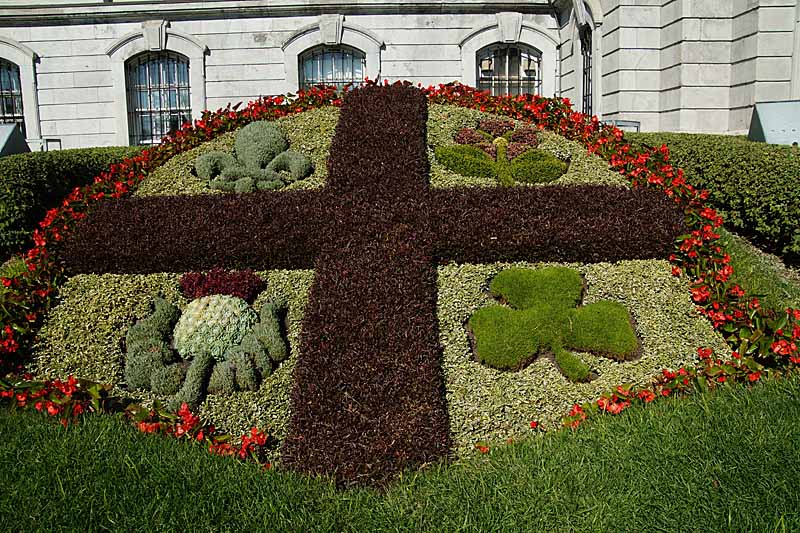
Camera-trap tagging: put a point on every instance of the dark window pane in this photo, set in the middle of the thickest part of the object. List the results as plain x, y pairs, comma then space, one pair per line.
509, 69
158, 95
11, 110
337, 65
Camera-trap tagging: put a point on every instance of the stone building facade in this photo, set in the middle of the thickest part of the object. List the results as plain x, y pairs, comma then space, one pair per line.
78, 73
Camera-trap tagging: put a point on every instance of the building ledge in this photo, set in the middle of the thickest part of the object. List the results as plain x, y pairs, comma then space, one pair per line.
38, 12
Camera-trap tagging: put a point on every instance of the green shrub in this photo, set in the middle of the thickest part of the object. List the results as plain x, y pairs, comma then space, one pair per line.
195, 385
522, 290
269, 185
571, 366
211, 325
30, 184
291, 166
466, 160
258, 143
603, 327
754, 185
253, 350
142, 362
537, 166
211, 165
147, 350
246, 378
244, 185
168, 379
222, 380
268, 332
544, 318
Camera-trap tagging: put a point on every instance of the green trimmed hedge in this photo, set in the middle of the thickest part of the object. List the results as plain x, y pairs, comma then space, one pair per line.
30, 184
755, 185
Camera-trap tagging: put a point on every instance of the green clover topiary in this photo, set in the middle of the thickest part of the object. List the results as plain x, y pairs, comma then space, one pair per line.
263, 161
543, 315
496, 150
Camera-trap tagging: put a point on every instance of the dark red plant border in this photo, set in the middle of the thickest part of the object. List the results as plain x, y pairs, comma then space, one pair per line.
760, 337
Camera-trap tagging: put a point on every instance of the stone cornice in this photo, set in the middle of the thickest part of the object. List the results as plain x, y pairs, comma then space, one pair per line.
89, 12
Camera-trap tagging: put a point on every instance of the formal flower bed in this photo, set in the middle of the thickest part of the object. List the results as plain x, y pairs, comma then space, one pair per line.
762, 338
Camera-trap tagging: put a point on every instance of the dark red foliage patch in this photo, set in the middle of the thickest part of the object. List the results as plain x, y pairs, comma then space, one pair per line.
495, 127
185, 233
244, 284
489, 148
469, 136
514, 149
588, 223
528, 136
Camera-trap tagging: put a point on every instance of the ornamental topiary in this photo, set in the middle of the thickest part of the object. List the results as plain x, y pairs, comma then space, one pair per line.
291, 166
262, 162
219, 343
541, 317
211, 325
510, 158
537, 166
147, 349
211, 165
258, 143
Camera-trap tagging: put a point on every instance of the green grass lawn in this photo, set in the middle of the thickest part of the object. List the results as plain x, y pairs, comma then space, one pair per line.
724, 461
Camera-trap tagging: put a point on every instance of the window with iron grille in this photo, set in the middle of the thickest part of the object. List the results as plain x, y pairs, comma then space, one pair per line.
586, 52
158, 92
509, 69
11, 95
332, 65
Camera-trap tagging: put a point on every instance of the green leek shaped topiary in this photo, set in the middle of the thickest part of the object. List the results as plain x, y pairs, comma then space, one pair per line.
196, 383
210, 325
262, 163
511, 157
147, 349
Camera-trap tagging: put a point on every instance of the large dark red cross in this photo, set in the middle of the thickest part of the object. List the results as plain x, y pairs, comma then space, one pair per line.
368, 394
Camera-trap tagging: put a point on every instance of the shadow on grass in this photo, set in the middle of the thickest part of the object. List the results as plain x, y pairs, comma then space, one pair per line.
723, 461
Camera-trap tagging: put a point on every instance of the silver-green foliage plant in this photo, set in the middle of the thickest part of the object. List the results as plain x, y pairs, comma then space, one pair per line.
146, 346
212, 324
263, 161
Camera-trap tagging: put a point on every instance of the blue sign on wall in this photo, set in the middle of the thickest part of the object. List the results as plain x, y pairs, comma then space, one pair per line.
776, 122
11, 140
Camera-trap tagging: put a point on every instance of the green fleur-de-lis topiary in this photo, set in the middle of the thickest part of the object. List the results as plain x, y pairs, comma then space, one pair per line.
496, 150
263, 161
543, 315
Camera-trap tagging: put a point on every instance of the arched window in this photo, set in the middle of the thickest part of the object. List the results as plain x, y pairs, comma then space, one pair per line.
158, 95
11, 95
509, 69
585, 25
586, 53
332, 65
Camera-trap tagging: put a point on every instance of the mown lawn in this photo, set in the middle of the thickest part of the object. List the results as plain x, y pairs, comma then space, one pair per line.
724, 461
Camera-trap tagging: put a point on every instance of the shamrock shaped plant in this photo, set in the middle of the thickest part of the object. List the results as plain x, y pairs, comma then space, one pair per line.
542, 315
496, 149
262, 161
